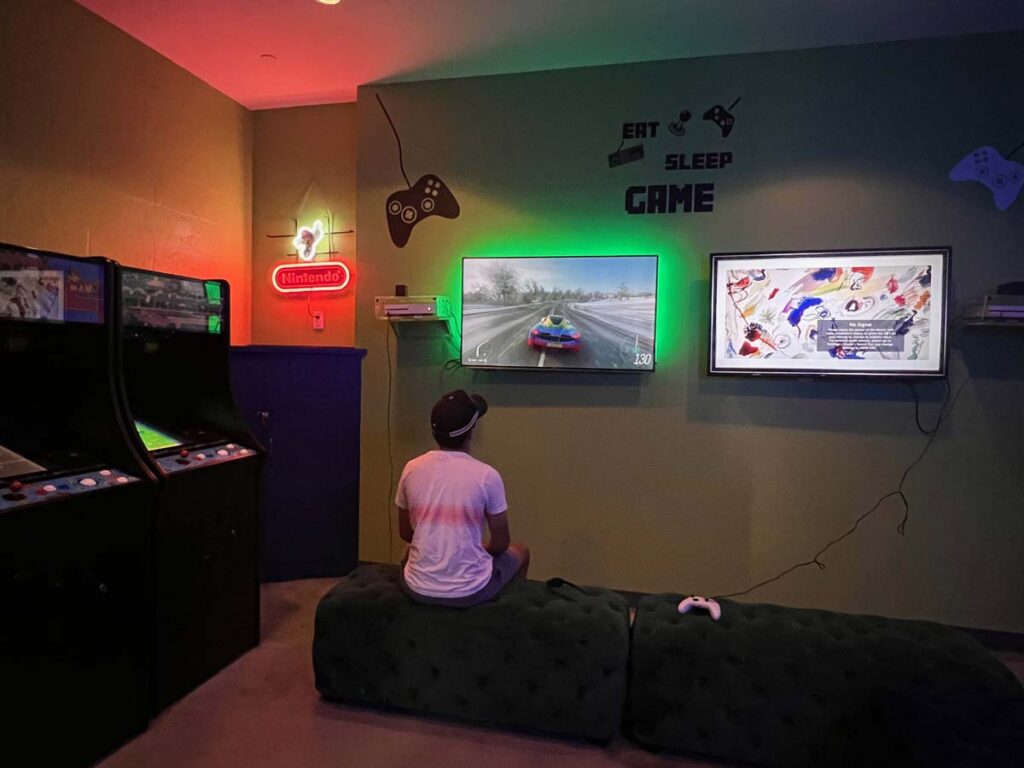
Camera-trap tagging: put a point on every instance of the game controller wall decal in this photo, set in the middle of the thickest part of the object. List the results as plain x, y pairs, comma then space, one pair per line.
1003, 177
722, 117
406, 208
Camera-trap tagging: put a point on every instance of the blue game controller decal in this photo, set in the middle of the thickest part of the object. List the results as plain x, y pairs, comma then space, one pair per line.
986, 166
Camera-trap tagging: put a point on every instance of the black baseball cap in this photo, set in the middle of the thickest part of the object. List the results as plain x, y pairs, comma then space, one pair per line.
456, 413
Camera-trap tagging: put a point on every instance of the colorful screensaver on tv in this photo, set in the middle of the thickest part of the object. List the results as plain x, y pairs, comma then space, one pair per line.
865, 313
568, 312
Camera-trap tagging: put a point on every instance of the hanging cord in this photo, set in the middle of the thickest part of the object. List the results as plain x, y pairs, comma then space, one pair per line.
401, 163
456, 362
917, 409
391, 455
900, 528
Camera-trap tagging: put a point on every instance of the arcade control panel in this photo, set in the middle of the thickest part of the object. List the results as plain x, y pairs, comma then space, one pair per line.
18, 494
180, 461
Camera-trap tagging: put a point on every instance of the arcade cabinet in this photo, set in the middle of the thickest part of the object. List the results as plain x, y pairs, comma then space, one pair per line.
76, 501
175, 336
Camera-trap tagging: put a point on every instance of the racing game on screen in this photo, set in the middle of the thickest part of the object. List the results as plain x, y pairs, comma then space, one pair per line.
568, 312
844, 313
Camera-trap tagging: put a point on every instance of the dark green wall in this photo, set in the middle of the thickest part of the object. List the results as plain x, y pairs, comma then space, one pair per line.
674, 481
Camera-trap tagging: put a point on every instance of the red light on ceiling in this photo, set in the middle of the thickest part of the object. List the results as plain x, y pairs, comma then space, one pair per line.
311, 276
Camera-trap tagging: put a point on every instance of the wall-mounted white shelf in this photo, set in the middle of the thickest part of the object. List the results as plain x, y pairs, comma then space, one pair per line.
996, 311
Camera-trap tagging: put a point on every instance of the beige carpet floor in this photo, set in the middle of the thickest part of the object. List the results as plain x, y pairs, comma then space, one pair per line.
263, 712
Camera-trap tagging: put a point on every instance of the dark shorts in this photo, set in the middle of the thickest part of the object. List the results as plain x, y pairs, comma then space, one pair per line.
506, 566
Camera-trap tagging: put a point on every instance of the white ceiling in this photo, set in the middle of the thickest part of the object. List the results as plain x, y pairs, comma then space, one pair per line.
323, 53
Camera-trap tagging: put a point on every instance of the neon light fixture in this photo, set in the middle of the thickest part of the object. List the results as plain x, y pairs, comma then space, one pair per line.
308, 239
305, 277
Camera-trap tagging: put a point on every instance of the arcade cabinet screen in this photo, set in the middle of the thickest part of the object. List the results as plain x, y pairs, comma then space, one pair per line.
571, 313
154, 439
849, 313
39, 286
166, 302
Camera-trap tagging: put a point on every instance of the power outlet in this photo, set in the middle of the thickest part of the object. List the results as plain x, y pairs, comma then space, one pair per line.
318, 319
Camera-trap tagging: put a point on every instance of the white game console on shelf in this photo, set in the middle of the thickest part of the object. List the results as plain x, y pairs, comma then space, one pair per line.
696, 602
412, 308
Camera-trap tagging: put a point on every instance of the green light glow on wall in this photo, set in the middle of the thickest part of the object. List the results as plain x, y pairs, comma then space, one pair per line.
678, 267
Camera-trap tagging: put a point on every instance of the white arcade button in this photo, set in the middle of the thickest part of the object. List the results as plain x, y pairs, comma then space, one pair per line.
106, 472
50, 488
222, 452
122, 479
88, 482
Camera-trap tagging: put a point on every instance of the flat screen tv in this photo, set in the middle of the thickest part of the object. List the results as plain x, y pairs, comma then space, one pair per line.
830, 313
572, 313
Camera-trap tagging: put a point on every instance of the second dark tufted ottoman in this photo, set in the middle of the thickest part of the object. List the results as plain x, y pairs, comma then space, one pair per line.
774, 686
538, 658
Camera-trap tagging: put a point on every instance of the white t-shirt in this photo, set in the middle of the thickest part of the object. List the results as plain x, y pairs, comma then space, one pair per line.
447, 494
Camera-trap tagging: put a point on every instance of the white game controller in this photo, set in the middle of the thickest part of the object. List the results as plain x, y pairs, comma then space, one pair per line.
703, 603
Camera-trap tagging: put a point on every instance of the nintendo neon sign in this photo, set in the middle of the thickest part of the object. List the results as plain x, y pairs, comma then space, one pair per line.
311, 276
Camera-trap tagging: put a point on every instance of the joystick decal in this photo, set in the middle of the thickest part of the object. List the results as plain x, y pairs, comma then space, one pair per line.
678, 128
406, 208
1002, 176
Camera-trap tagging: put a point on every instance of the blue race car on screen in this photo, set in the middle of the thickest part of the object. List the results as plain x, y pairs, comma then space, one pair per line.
555, 332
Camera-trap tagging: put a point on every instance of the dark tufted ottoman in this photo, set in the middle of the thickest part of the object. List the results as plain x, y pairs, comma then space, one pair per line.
539, 658
775, 686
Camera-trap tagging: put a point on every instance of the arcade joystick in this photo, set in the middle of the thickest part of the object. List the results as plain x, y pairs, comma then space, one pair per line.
16, 486
183, 453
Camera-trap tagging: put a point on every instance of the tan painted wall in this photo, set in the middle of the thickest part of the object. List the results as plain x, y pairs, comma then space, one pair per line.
108, 148
304, 168
674, 481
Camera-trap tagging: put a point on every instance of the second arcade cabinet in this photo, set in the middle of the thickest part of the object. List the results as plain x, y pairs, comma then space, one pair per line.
175, 362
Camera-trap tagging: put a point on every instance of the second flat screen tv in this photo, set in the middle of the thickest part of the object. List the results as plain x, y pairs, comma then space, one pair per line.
830, 313
578, 313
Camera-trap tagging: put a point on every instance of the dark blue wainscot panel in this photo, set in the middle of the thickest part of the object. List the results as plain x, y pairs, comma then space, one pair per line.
302, 403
